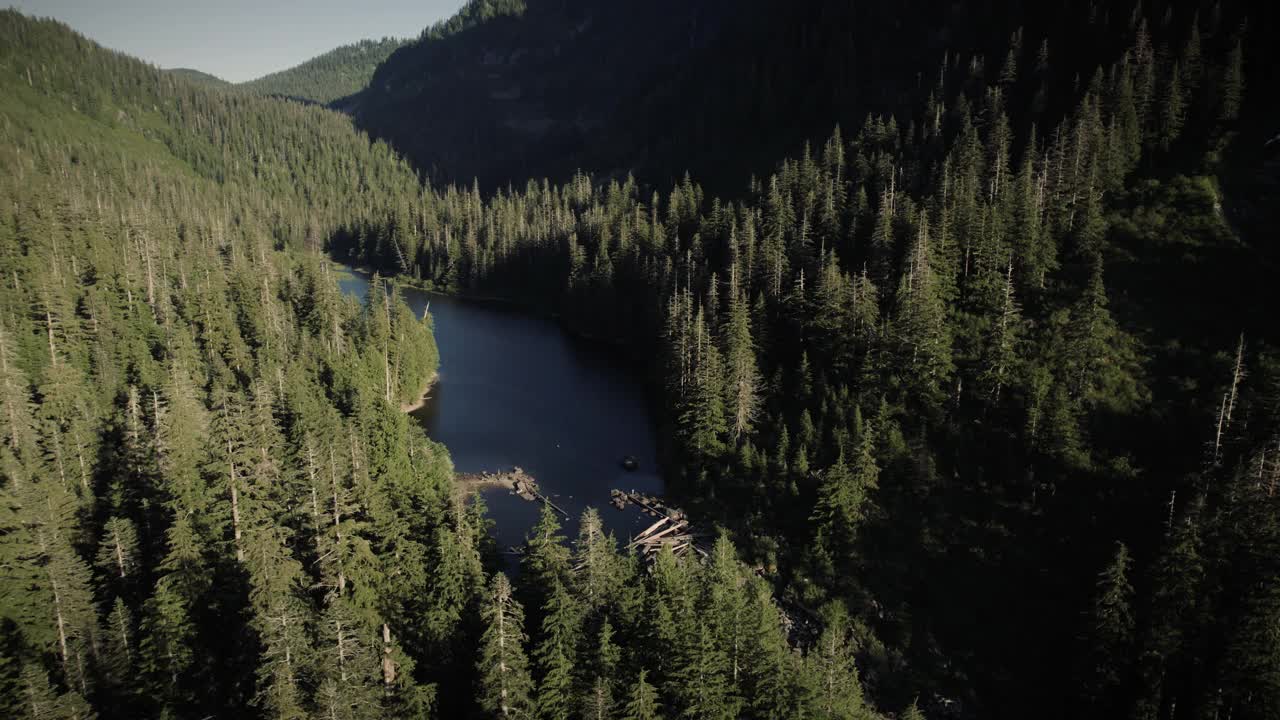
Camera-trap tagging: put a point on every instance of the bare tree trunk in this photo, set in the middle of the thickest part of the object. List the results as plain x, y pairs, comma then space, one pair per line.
151, 282
12, 413
1217, 439
342, 651
1237, 376
57, 605
337, 525
235, 510
502, 644
124, 642
115, 536
315, 499
386, 346
48, 325
388, 665
61, 622
288, 649
84, 470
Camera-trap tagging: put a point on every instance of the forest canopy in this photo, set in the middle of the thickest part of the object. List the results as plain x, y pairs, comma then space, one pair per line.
328, 78
981, 387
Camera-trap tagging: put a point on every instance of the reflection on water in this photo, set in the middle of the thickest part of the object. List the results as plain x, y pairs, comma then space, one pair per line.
516, 390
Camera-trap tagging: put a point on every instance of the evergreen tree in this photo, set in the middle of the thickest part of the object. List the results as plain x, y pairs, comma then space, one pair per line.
705, 681
912, 711
599, 572
1000, 354
1232, 88
118, 549
922, 337
48, 583
1112, 622
346, 665
726, 614
643, 702
742, 381
599, 697
836, 691
505, 686
842, 505
702, 419
1171, 109
556, 653
40, 702
546, 561
770, 669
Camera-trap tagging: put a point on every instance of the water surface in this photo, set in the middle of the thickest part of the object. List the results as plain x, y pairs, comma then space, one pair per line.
515, 389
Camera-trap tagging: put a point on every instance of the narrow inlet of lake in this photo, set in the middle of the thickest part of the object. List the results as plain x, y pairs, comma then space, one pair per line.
515, 389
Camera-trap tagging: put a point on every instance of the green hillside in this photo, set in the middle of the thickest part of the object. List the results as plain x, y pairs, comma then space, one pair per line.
199, 77
211, 504
167, 346
994, 371
327, 78
965, 349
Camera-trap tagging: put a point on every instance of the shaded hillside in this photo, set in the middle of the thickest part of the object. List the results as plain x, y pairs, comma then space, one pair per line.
995, 372
329, 77
505, 92
717, 88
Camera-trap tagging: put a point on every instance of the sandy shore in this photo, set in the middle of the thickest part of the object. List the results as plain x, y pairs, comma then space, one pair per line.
422, 396
471, 482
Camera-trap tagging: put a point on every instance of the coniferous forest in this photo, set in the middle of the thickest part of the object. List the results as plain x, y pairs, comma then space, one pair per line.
972, 366
330, 77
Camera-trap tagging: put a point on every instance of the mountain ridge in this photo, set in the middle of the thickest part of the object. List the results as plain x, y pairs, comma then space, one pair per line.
330, 76
200, 76
719, 89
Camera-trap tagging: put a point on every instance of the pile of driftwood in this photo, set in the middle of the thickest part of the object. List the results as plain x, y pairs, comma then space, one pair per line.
672, 528
516, 480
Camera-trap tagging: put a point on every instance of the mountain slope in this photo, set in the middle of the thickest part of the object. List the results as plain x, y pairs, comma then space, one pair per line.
330, 77
211, 502
718, 88
512, 91
996, 373
507, 92
197, 76
164, 312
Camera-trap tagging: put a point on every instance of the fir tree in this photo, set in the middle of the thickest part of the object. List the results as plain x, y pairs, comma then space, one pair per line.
556, 653
1232, 88
1171, 109
1112, 622
505, 686
643, 702
599, 697
836, 690
770, 669
599, 572
40, 703
742, 382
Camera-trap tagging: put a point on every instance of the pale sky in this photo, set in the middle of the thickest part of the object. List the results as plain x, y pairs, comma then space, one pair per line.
237, 39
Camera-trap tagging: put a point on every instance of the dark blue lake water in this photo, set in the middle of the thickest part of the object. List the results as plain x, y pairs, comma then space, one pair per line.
514, 389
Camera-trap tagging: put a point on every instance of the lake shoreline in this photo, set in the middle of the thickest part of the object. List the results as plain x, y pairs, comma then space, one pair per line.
507, 365
422, 396
524, 305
